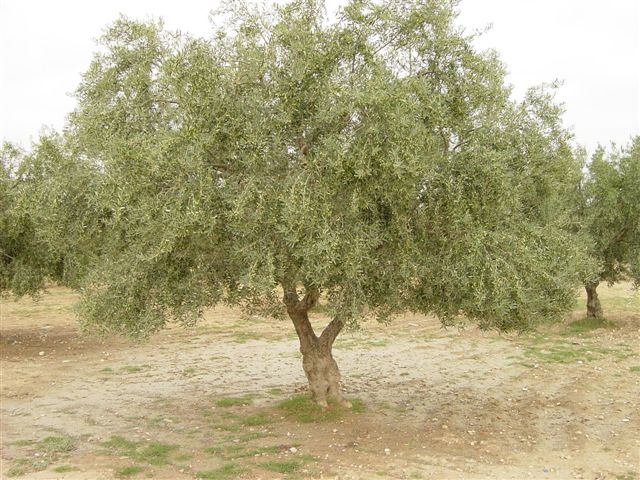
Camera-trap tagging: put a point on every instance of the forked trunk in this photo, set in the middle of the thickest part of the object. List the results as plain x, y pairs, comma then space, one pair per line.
594, 309
318, 363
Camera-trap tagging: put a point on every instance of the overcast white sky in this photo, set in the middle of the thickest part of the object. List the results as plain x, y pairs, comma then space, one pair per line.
592, 45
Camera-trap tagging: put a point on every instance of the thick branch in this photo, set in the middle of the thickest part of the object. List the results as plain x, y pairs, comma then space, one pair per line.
304, 329
330, 333
290, 297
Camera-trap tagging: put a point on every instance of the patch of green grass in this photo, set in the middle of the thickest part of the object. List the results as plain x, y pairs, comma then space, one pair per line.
120, 444
22, 466
275, 391
129, 471
282, 466
58, 444
65, 468
357, 405
227, 427
153, 453
588, 324
183, 457
233, 452
305, 410
49, 450
635, 369
230, 470
568, 352
257, 419
189, 372
234, 401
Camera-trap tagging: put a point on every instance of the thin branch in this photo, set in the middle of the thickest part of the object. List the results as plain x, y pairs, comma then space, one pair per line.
8, 256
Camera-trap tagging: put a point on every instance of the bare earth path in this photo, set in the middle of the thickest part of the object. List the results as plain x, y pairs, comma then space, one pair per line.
204, 403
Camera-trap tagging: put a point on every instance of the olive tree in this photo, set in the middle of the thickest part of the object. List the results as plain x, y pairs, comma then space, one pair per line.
49, 225
375, 163
611, 213
21, 268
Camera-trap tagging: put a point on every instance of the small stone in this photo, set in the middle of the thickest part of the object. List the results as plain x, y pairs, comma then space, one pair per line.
625, 419
41, 353
387, 451
293, 449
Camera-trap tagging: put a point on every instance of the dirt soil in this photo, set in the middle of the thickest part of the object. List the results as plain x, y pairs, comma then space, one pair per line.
206, 402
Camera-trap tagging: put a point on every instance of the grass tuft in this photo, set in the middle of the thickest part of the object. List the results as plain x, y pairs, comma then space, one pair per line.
233, 452
283, 466
230, 470
51, 449
305, 410
152, 453
129, 471
58, 444
588, 324
235, 401
257, 420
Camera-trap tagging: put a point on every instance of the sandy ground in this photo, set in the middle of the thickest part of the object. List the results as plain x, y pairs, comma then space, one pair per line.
441, 404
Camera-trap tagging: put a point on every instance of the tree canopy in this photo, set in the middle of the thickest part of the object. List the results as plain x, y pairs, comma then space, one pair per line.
376, 163
611, 213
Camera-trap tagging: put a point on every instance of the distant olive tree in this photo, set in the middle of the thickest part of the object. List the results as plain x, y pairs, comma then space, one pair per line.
48, 225
375, 163
611, 212
23, 263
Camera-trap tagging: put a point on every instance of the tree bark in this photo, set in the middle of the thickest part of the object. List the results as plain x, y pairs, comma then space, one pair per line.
594, 309
318, 363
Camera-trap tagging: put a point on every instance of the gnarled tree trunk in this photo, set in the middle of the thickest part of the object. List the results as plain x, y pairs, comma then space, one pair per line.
594, 309
318, 363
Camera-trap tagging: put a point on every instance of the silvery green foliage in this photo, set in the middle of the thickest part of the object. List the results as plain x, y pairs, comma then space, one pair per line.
612, 211
49, 224
23, 264
378, 158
